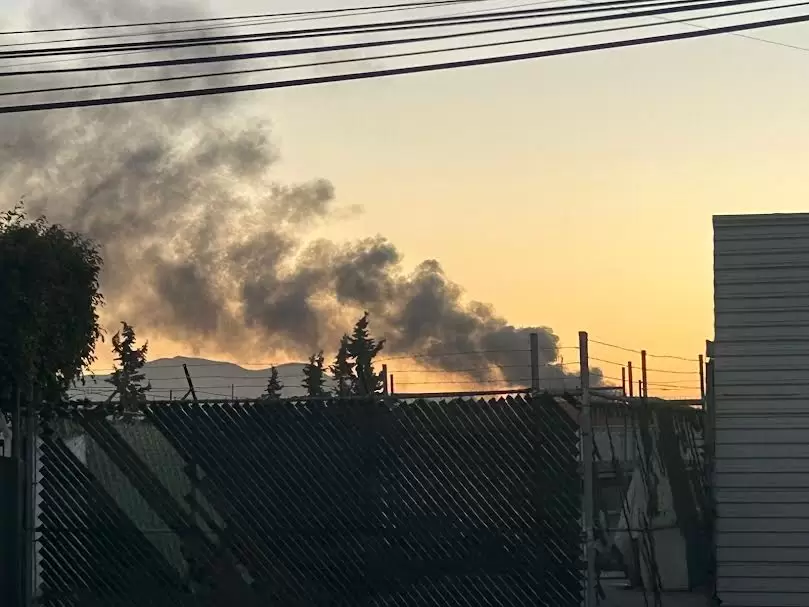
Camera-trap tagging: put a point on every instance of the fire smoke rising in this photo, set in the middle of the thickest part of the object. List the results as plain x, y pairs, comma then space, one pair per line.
202, 246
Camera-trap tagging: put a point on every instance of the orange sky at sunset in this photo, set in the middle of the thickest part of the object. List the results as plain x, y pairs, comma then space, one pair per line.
576, 192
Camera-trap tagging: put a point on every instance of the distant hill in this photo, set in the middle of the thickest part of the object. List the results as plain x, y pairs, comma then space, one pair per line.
211, 378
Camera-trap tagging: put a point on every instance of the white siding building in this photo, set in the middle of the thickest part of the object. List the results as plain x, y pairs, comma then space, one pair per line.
761, 409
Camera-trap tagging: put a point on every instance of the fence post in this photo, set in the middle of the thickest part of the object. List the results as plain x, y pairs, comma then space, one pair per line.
623, 381
645, 385
9, 532
631, 381
534, 362
29, 500
702, 380
588, 474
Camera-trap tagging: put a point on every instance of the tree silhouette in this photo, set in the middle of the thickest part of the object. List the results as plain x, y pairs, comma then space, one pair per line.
314, 375
128, 376
363, 349
49, 295
342, 370
274, 385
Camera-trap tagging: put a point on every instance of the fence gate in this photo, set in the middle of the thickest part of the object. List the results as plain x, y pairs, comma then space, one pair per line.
461, 501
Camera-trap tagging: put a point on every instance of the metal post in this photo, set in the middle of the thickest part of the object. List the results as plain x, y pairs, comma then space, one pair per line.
190, 383
392, 385
631, 381
19, 500
385, 380
587, 465
535, 362
702, 380
645, 391
29, 501
623, 381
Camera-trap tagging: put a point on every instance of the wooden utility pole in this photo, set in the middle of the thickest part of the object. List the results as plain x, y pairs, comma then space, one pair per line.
385, 380
623, 381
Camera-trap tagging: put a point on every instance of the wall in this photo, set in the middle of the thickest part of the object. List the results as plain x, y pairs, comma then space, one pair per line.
761, 378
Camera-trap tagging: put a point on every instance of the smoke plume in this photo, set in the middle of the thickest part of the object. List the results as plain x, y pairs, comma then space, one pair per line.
203, 246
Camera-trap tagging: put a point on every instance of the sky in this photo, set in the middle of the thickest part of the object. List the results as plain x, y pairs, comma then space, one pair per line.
572, 192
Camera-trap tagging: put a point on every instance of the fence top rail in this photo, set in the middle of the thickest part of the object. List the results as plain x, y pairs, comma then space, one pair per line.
86, 406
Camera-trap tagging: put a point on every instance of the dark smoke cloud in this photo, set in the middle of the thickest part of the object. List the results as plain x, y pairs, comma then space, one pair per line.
202, 246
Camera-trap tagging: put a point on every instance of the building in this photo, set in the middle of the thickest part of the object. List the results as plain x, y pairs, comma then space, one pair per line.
760, 408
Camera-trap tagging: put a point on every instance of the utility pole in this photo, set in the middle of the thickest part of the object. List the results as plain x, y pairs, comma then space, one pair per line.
587, 467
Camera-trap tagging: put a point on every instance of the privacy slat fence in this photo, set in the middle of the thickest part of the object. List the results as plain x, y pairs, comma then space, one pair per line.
452, 501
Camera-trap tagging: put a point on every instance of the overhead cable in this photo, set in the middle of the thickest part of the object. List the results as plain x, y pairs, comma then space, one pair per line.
324, 63
362, 45
668, 6
74, 28
253, 22
420, 69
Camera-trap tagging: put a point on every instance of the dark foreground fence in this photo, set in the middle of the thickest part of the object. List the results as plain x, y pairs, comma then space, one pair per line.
452, 501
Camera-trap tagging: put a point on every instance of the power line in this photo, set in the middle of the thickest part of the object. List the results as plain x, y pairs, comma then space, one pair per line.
669, 356
446, 354
74, 28
660, 385
612, 362
118, 100
467, 382
393, 26
258, 22
324, 63
133, 52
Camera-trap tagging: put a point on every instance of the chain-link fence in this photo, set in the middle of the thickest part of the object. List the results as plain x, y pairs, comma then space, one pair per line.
451, 501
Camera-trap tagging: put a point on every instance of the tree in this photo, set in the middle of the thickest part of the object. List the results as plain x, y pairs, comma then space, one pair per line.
128, 377
49, 294
342, 370
274, 385
314, 375
363, 349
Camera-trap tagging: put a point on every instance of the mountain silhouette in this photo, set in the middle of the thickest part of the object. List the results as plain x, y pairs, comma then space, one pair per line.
212, 380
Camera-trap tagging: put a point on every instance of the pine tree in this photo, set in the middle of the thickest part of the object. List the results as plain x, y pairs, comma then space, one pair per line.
314, 375
342, 370
363, 349
127, 376
274, 385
